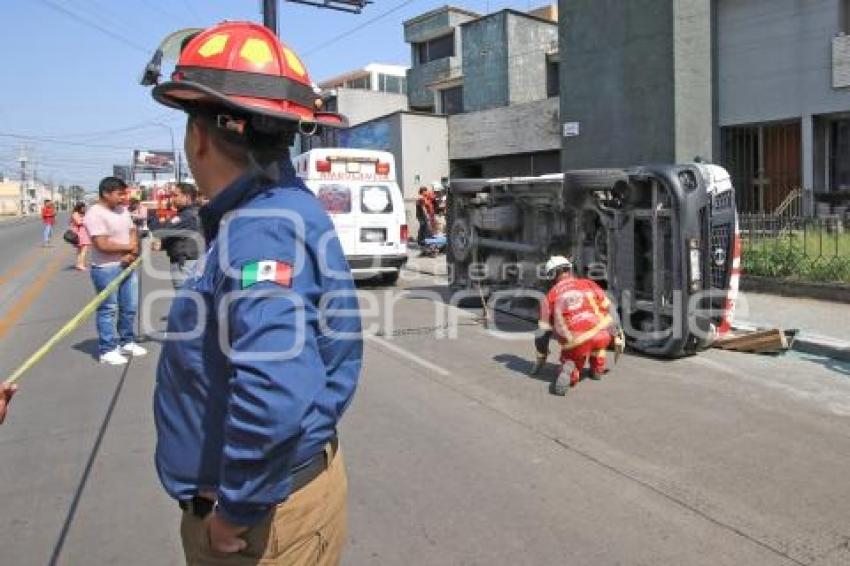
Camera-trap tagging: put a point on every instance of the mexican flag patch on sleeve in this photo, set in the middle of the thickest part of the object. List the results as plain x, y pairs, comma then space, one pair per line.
275, 271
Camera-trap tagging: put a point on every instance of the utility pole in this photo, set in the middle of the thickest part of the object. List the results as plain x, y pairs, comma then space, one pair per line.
270, 15
23, 160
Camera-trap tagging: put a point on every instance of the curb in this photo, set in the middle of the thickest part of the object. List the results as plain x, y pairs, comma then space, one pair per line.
409, 267
814, 344
834, 292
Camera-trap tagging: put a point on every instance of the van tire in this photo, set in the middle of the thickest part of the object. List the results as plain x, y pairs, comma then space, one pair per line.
390, 278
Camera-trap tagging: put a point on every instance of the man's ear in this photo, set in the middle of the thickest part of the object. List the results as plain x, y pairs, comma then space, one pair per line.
198, 140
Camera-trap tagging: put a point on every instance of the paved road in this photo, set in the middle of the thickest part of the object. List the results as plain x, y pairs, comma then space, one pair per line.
455, 455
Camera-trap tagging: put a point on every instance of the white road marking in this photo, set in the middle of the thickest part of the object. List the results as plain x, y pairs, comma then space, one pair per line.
409, 355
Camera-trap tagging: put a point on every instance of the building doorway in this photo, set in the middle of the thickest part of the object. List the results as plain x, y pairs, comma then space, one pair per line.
765, 162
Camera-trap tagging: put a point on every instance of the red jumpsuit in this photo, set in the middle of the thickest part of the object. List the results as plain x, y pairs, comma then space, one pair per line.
576, 310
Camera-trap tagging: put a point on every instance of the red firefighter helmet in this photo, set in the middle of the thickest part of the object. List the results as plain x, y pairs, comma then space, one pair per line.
243, 66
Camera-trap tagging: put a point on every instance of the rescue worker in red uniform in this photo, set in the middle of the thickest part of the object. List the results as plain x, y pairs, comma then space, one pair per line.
576, 313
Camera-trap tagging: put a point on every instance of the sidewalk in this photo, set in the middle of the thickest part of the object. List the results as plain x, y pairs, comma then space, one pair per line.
824, 326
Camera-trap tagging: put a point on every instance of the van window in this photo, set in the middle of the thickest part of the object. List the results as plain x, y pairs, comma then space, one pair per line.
375, 199
336, 199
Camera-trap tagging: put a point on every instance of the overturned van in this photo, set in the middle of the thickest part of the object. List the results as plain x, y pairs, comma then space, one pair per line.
662, 240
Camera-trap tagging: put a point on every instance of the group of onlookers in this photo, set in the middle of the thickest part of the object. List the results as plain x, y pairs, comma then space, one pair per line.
111, 230
430, 213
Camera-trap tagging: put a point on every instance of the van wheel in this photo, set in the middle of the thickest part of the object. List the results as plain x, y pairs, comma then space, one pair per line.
390, 278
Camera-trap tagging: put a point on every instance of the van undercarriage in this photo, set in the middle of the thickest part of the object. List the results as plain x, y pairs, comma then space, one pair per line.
660, 240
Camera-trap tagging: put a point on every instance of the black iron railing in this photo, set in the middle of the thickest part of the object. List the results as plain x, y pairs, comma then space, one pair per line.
811, 249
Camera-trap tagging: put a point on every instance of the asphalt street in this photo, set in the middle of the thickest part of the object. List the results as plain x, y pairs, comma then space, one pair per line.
455, 455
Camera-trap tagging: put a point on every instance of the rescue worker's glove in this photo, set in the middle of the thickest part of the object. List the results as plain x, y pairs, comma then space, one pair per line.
619, 345
538, 364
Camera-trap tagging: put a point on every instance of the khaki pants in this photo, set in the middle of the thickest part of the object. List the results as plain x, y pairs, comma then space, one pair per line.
308, 528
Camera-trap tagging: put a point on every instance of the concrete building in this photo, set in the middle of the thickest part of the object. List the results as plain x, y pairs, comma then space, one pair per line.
636, 79
10, 197
495, 76
783, 99
436, 55
366, 93
418, 141
760, 86
360, 95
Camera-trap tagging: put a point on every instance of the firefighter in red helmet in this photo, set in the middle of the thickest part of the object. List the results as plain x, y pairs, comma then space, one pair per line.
576, 312
248, 401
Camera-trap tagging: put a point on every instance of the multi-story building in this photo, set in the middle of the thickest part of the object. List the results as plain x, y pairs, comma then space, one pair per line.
495, 76
436, 56
364, 94
761, 86
360, 95
783, 99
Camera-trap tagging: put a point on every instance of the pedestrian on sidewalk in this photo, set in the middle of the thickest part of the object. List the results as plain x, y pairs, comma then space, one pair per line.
576, 313
181, 234
247, 412
48, 219
115, 245
423, 215
78, 225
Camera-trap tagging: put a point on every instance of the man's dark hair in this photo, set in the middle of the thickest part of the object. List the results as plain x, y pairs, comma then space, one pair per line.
189, 190
422, 190
110, 185
80, 207
252, 142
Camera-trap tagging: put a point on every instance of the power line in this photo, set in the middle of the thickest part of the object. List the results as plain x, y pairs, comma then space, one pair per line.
155, 7
357, 28
83, 21
62, 142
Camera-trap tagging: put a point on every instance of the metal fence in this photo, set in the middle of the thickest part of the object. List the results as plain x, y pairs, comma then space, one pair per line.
810, 249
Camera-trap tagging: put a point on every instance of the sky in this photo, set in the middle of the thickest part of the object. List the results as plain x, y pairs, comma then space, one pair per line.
69, 87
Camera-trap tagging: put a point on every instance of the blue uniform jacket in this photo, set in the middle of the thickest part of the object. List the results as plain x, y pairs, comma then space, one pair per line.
253, 378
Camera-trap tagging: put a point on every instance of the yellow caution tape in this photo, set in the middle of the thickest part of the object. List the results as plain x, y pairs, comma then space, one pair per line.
74, 323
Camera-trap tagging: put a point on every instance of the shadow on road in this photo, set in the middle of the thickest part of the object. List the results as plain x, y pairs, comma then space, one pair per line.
78, 493
522, 366
88, 346
838, 366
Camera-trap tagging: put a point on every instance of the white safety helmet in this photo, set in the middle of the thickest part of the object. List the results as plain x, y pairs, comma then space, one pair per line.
557, 262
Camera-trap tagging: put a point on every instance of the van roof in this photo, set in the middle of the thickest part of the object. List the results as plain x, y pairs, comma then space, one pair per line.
353, 152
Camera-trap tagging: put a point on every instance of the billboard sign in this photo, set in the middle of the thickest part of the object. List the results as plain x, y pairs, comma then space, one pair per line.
151, 161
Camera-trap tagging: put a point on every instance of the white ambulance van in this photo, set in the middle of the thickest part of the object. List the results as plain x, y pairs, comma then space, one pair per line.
358, 190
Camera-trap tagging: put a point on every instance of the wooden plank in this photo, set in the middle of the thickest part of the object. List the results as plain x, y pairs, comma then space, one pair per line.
763, 341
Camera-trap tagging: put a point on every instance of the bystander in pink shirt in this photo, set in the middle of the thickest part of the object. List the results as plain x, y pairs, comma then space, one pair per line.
115, 224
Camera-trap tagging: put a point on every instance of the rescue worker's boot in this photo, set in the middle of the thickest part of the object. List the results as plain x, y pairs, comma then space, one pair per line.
562, 382
597, 366
539, 363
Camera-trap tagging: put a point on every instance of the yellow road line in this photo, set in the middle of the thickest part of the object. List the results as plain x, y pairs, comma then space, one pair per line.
72, 324
30, 295
24, 264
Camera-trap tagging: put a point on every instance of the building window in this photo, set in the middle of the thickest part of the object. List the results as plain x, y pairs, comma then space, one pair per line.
390, 83
363, 83
451, 100
434, 49
839, 149
844, 17
553, 79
